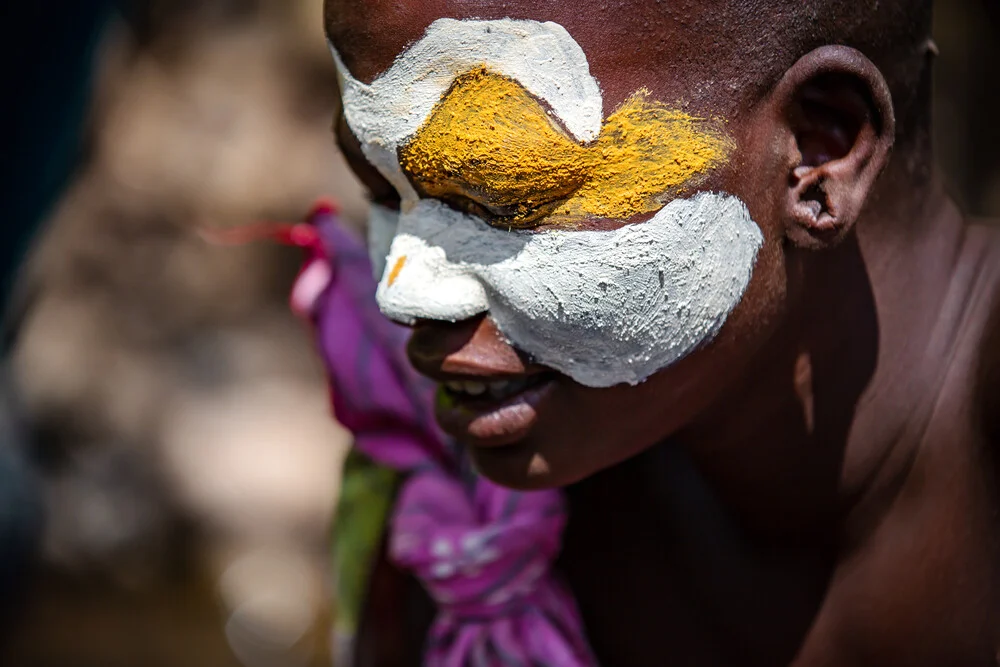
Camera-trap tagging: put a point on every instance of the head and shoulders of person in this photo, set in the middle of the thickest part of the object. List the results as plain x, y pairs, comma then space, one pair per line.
821, 112
828, 325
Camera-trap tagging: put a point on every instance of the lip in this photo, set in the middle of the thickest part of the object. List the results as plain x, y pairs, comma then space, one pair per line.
491, 422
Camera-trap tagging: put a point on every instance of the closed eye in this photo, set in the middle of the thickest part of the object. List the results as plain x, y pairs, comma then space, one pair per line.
490, 148
514, 215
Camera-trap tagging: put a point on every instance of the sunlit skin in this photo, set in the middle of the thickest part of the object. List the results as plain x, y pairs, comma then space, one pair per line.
815, 486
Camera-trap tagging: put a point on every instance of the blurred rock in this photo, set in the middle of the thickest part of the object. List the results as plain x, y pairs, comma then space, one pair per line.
182, 426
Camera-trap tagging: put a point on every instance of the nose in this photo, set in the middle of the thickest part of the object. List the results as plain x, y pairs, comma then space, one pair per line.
470, 347
420, 283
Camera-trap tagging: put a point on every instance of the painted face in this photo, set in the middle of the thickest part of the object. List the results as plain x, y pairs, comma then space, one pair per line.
494, 134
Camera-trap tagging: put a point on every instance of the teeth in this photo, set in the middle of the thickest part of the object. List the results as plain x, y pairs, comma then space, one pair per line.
470, 387
475, 388
496, 389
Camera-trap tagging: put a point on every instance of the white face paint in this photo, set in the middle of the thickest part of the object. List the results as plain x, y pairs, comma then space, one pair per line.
382, 224
541, 56
603, 307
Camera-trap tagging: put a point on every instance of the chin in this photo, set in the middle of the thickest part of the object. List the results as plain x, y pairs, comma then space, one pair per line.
520, 466
531, 465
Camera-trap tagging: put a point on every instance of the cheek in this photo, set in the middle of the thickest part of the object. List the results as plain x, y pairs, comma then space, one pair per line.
614, 307
765, 302
584, 311
581, 432
759, 174
603, 307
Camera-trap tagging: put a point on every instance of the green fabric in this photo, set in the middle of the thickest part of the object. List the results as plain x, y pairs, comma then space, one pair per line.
366, 496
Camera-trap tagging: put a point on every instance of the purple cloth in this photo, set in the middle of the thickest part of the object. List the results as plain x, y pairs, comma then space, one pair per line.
483, 552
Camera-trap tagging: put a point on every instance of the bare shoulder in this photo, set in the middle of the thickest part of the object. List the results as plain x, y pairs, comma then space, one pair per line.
967, 400
936, 546
975, 345
987, 368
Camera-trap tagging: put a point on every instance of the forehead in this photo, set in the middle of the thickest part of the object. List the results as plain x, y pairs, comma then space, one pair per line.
674, 48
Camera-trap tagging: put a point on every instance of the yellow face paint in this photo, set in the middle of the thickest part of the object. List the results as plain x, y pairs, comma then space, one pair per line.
396, 269
492, 148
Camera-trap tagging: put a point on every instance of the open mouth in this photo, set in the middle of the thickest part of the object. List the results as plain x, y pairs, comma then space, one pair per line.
475, 391
492, 411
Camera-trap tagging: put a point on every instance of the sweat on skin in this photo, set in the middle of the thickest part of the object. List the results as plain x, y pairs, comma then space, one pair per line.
603, 307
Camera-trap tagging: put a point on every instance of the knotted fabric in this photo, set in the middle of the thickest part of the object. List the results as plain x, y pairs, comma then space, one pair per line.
483, 552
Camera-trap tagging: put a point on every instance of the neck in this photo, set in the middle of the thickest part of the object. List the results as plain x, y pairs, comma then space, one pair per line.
805, 441
758, 500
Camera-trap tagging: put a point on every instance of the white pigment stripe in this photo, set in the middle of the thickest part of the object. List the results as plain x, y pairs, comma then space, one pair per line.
604, 307
542, 57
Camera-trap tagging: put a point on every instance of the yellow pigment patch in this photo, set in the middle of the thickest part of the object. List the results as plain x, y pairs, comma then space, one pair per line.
396, 269
489, 141
646, 151
491, 148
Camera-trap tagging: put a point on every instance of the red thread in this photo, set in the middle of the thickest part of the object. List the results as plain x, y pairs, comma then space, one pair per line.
301, 234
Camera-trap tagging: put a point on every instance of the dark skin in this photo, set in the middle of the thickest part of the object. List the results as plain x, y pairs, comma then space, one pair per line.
817, 485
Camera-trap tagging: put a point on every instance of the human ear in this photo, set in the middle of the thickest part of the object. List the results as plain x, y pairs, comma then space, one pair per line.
837, 116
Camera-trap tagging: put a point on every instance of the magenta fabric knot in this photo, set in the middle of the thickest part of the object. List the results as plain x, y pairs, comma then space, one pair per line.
476, 559
483, 552
486, 560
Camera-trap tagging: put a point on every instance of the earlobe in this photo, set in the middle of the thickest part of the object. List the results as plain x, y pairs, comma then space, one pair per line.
837, 112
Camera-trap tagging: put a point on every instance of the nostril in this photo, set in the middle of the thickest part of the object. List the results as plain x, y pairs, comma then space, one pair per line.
473, 346
432, 341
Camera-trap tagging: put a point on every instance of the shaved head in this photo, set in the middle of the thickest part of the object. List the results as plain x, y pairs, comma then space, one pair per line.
726, 55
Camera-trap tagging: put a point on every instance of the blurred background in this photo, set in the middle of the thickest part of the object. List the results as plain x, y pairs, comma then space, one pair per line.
177, 418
